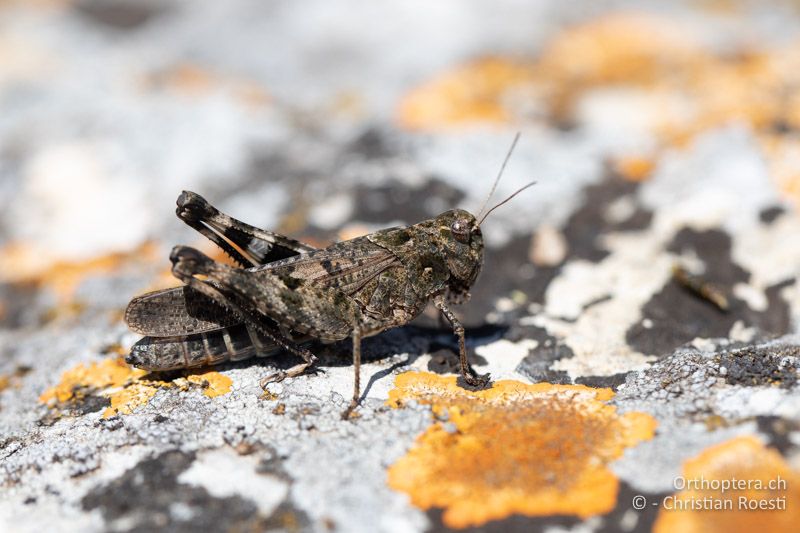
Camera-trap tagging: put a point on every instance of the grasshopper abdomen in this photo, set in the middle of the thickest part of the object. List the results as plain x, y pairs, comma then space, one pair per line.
233, 343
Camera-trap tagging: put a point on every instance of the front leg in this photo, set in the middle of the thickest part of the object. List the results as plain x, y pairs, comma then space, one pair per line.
469, 375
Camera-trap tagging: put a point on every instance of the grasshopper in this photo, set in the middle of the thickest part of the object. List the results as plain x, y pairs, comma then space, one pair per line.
285, 294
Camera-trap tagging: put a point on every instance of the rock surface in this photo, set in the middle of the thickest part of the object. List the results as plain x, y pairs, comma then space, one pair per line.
659, 136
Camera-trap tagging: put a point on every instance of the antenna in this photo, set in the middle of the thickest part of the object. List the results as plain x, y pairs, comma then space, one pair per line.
531, 184
500, 174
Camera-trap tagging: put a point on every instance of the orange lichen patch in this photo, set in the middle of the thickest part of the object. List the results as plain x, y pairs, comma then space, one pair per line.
743, 460
24, 264
783, 160
125, 386
620, 48
193, 80
722, 7
124, 401
634, 168
614, 50
4, 382
666, 81
213, 383
745, 90
537, 449
186, 78
111, 378
471, 93
102, 375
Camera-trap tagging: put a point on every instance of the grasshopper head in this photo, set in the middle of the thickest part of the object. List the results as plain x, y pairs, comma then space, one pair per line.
460, 241
461, 244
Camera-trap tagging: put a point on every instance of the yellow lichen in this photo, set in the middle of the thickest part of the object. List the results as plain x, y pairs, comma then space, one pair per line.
196, 81
213, 383
96, 376
634, 168
472, 93
124, 386
783, 160
618, 49
21, 263
187, 78
124, 401
744, 459
537, 449
666, 81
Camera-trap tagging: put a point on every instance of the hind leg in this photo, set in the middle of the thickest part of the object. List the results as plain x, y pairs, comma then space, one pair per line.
245, 244
188, 263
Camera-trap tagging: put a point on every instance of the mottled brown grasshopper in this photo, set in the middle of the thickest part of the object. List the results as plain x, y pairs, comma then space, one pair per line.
287, 293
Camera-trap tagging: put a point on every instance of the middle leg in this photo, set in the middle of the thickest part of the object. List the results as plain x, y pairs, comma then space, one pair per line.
356, 374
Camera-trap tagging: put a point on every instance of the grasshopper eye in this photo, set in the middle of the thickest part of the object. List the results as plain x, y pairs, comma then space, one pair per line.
461, 230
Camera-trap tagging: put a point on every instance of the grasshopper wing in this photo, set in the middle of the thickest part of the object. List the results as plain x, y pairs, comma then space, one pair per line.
177, 311
184, 311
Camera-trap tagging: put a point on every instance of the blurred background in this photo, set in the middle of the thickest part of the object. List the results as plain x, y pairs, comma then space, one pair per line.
660, 134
